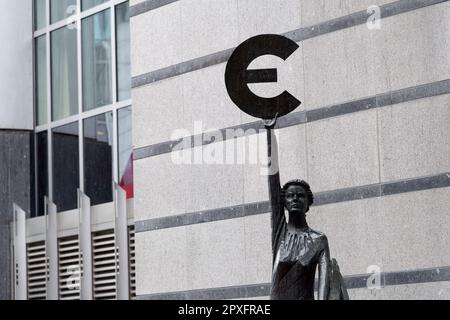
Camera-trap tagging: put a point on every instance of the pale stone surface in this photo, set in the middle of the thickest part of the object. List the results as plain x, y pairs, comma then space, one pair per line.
342, 151
422, 291
162, 188
398, 233
414, 138
316, 11
156, 38
401, 232
222, 183
216, 254
158, 110
162, 261
258, 252
207, 27
361, 234
206, 100
343, 66
415, 46
267, 16
134, 2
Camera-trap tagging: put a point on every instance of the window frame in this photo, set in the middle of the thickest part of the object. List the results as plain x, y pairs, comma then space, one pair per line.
75, 21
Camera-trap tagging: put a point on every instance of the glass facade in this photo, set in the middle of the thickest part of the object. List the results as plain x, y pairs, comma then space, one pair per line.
126, 151
64, 73
40, 16
123, 52
96, 43
62, 9
66, 172
98, 158
41, 80
87, 4
86, 144
41, 169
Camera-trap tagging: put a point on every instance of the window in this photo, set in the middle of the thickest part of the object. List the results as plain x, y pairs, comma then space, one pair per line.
125, 151
66, 174
42, 169
41, 80
64, 73
86, 142
97, 61
123, 52
62, 9
98, 161
87, 4
39, 14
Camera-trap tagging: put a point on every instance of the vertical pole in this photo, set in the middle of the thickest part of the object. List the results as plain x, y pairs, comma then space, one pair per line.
20, 253
85, 246
121, 236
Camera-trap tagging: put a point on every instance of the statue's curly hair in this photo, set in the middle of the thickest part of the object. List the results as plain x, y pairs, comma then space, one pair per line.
303, 184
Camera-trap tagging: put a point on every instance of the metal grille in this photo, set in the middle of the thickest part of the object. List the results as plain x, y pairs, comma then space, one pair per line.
132, 262
70, 268
36, 271
105, 264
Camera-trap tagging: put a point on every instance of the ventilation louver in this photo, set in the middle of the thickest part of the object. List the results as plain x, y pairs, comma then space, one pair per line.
36, 271
70, 268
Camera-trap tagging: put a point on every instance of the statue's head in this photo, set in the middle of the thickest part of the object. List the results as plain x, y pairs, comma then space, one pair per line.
297, 196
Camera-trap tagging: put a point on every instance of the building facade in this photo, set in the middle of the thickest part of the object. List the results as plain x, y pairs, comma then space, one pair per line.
66, 132
121, 148
371, 137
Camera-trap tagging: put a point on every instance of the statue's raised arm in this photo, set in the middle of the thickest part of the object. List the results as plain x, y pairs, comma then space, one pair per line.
278, 219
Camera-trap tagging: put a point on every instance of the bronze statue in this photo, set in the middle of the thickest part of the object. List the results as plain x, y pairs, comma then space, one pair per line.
297, 249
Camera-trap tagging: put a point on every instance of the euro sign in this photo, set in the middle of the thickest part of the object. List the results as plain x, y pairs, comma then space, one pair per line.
237, 76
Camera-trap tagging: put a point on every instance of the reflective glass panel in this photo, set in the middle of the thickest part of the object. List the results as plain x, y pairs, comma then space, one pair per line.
97, 78
41, 80
98, 141
123, 52
66, 177
87, 4
42, 171
125, 141
64, 73
62, 9
39, 14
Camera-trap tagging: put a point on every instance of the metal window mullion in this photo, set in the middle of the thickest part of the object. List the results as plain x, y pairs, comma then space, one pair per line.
85, 115
80, 97
115, 146
35, 112
69, 20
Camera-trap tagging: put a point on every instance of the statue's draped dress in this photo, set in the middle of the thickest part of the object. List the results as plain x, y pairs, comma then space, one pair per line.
296, 255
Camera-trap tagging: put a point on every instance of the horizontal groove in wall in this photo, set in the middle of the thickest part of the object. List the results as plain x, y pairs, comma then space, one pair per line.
419, 276
298, 35
381, 100
322, 198
148, 5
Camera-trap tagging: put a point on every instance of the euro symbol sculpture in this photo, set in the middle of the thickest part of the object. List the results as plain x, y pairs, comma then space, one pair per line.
297, 250
237, 76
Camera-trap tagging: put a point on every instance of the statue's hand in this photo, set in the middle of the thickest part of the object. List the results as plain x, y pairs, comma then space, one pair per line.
270, 123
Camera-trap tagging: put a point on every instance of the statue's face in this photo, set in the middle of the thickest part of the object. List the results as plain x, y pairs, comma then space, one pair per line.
296, 199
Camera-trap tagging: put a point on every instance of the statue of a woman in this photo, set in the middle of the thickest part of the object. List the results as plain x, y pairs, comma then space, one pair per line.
298, 250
